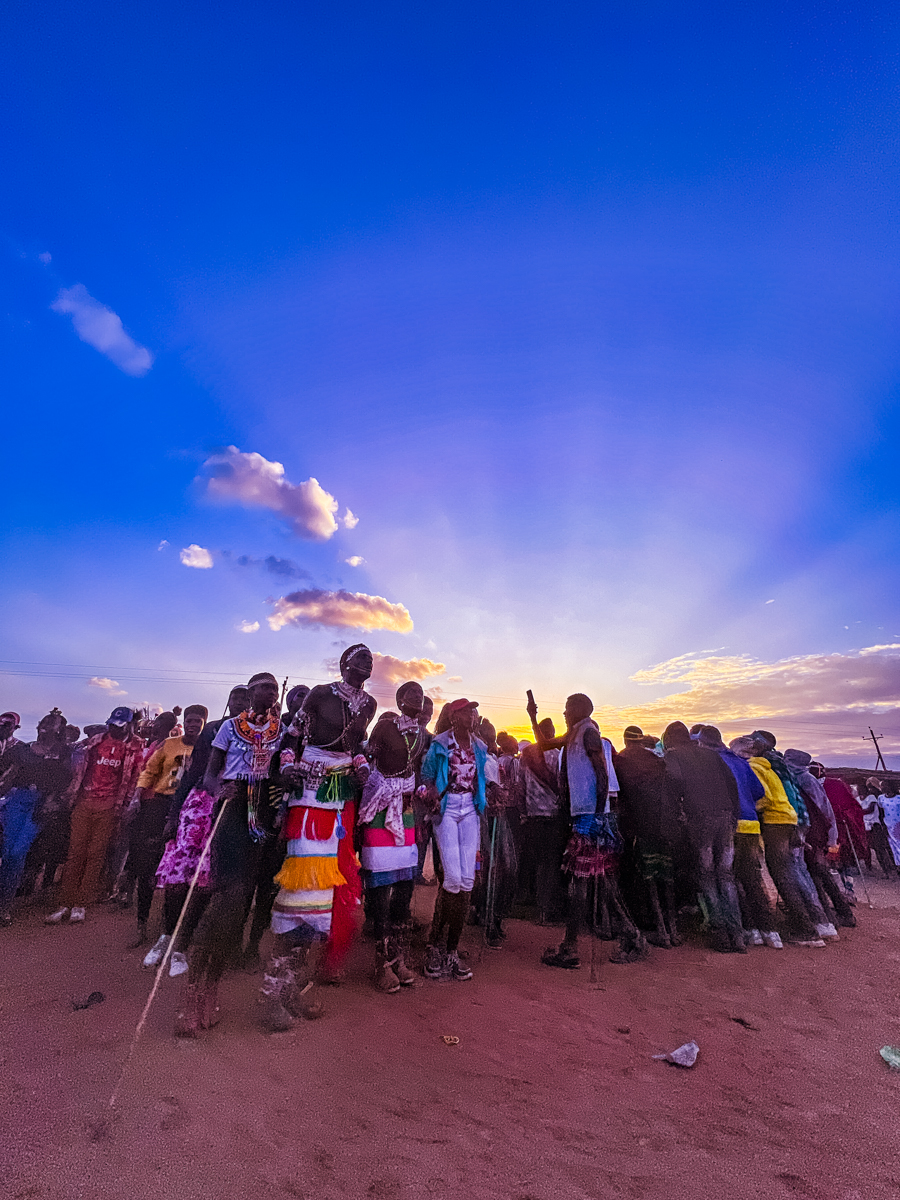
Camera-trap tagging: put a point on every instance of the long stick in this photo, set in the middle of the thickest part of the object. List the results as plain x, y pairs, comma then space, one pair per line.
862, 879
594, 933
489, 897
139, 1028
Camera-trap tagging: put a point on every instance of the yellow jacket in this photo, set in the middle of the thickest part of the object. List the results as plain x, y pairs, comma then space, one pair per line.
163, 769
774, 808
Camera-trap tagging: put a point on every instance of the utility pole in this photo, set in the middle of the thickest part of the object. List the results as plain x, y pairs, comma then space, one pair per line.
880, 764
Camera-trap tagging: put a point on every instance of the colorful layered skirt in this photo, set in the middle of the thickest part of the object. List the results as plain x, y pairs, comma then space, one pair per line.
320, 856
383, 861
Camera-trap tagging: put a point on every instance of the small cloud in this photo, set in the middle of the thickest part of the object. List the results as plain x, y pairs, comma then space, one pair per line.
353, 610
248, 626
349, 521
45, 258
770, 601
196, 556
355, 560
286, 568
110, 686
248, 479
454, 678
162, 545
101, 328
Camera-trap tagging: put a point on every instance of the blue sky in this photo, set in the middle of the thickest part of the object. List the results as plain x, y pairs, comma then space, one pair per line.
587, 313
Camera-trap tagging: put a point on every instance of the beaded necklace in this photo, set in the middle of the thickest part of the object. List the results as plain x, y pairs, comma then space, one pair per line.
260, 738
406, 726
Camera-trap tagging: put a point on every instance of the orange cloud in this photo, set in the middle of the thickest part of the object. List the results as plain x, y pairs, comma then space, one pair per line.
353, 610
823, 703
389, 672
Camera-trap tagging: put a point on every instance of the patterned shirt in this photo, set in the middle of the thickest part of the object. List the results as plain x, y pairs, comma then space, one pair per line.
462, 767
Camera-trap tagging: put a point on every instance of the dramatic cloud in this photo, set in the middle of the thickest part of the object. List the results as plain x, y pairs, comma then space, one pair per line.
823, 703
101, 328
355, 560
739, 686
248, 626
352, 610
196, 556
110, 686
248, 479
389, 672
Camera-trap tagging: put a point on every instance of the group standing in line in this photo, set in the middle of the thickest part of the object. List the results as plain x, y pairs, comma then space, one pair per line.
291, 820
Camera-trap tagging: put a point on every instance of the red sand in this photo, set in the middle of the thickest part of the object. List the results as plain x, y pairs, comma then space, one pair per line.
552, 1091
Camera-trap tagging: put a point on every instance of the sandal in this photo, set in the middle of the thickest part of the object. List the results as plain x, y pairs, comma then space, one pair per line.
553, 957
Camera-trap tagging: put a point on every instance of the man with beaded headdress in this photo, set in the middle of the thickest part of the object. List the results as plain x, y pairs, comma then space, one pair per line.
323, 771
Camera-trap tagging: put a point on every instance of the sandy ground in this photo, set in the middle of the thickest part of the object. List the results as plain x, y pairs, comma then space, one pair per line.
552, 1091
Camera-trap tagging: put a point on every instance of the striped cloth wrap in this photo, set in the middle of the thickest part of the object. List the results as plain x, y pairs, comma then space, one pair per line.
313, 829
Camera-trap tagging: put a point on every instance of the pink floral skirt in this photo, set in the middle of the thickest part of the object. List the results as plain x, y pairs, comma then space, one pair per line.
179, 862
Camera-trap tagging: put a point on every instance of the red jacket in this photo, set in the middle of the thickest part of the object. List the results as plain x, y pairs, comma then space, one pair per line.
131, 768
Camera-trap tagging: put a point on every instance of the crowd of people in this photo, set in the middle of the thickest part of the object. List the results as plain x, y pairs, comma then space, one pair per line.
291, 811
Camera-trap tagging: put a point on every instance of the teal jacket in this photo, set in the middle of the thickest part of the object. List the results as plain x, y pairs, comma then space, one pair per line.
436, 769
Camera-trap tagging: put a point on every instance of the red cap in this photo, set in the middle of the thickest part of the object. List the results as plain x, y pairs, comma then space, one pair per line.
456, 706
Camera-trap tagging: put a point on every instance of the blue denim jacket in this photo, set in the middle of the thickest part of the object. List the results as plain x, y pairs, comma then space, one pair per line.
436, 769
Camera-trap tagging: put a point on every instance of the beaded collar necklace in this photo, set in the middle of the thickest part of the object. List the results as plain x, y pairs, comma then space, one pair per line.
264, 732
353, 697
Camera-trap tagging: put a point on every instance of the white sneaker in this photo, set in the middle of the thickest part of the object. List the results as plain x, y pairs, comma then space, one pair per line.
816, 943
76, 916
57, 917
827, 931
154, 955
756, 938
772, 939
178, 964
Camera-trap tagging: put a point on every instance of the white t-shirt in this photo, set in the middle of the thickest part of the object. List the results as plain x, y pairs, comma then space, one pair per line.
870, 819
243, 758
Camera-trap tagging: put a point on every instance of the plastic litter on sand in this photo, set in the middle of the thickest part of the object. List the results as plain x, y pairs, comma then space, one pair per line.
684, 1056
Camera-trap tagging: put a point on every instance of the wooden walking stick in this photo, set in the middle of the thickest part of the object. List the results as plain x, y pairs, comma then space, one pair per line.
594, 933
490, 888
858, 864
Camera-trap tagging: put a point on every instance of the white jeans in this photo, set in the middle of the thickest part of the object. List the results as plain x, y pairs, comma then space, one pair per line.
458, 833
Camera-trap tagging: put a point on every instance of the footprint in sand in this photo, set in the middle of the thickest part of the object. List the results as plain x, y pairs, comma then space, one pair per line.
175, 1115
